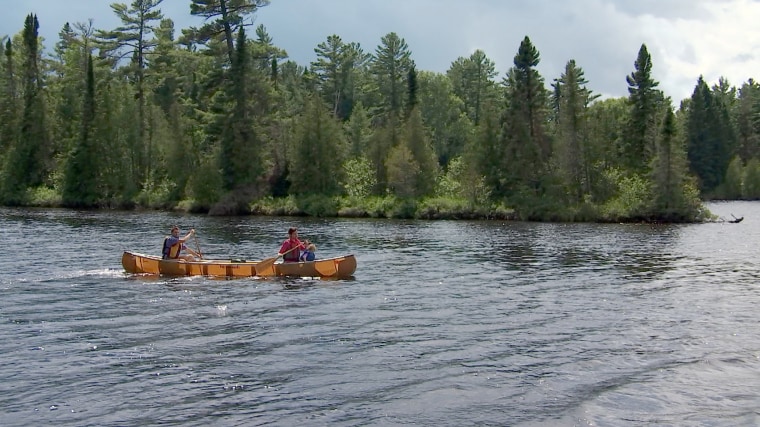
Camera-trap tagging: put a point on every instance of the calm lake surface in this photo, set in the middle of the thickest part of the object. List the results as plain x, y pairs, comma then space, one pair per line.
444, 324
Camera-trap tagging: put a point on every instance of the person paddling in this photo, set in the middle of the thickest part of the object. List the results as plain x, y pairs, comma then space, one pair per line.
290, 251
174, 245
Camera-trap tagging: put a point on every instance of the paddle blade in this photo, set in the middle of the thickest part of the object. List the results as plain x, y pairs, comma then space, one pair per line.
265, 267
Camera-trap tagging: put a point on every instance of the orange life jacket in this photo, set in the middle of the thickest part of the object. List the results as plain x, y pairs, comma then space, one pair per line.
171, 252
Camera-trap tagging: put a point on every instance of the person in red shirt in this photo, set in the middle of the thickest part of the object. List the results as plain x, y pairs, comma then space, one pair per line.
290, 251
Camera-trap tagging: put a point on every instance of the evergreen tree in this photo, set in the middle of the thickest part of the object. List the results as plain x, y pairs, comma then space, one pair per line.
265, 53
177, 122
607, 126
708, 131
747, 115
382, 140
81, 179
9, 102
572, 99
390, 67
416, 140
223, 17
336, 69
638, 145
488, 152
29, 159
411, 81
358, 131
525, 138
403, 172
240, 154
328, 68
317, 160
669, 172
67, 85
473, 82
444, 115
131, 39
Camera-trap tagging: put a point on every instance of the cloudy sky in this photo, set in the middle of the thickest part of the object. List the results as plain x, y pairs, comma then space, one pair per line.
686, 38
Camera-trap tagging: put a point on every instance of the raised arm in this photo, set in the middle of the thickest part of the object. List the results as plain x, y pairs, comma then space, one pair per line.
189, 235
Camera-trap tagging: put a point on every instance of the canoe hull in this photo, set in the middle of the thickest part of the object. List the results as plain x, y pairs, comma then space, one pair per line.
135, 263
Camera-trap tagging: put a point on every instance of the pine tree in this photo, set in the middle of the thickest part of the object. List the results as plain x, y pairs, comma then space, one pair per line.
411, 83
29, 159
224, 17
317, 158
748, 120
358, 131
390, 67
445, 116
708, 133
82, 177
572, 99
131, 39
416, 140
9, 102
327, 67
241, 148
403, 172
638, 145
473, 82
525, 138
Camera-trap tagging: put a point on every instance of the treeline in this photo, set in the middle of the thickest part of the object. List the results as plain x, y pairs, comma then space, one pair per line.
216, 119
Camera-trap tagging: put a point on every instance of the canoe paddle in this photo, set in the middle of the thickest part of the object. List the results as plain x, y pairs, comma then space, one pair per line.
198, 246
266, 263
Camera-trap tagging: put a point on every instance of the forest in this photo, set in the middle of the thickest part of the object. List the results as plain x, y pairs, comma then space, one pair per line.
216, 119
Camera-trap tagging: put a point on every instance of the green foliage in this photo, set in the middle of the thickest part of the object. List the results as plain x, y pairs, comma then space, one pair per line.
632, 200
415, 137
156, 195
747, 123
240, 145
443, 114
336, 68
43, 197
318, 152
222, 19
82, 176
390, 67
732, 185
276, 206
751, 179
473, 82
448, 208
318, 205
572, 153
709, 137
403, 172
527, 146
359, 179
211, 124
638, 145
205, 184
358, 131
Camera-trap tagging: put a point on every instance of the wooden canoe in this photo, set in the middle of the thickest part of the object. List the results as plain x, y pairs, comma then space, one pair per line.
339, 267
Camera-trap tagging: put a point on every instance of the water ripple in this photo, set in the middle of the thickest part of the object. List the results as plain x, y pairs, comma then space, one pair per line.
445, 323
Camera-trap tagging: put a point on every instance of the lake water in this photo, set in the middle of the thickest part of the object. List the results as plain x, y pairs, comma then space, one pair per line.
445, 323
